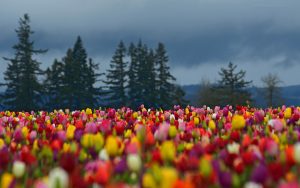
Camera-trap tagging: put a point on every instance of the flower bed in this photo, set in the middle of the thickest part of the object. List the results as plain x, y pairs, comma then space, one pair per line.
183, 147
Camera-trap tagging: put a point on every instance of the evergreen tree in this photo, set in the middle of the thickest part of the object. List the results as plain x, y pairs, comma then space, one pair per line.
11, 98
179, 97
165, 86
233, 87
53, 85
149, 79
67, 94
23, 90
92, 93
116, 78
79, 67
141, 55
133, 83
79, 79
142, 76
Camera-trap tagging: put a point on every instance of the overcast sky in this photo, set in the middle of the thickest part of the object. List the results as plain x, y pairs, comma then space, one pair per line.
260, 36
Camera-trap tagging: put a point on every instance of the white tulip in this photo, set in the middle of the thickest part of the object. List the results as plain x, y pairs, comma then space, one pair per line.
103, 155
297, 152
134, 162
58, 177
253, 185
233, 148
18, 169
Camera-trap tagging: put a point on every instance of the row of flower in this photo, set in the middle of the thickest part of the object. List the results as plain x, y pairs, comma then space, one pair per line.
184, 147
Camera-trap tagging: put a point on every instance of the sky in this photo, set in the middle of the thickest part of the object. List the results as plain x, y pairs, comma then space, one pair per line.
201, 36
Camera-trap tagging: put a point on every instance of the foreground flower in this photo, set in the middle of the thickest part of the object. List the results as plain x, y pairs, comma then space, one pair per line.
6, 180
134, 162
168, 151
297, 152
58, 177
181, 147
18, 169
233, 148
111, 146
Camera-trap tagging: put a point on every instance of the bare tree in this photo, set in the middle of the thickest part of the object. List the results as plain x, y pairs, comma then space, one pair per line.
271, 89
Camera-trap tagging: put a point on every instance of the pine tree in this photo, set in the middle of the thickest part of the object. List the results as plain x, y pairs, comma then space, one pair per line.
233, 87
79, 61
165, 86
116, 78
23, 90
53, 85
68, 86
179, 97
11, 98
133, 83
149, 80
79, 79
92, 92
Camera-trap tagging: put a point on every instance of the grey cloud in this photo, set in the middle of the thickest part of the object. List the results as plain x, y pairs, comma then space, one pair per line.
195, 32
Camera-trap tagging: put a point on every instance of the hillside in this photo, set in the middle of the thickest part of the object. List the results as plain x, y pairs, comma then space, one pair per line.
290, 94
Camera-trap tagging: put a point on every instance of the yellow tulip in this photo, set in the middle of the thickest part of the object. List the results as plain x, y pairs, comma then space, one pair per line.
1, 143
168, 151
196, 120
25, 131
172, 131
238, 122
287, 113
87, 140
70, 131
148, 181
169, 177
98, 141
88, 111
212, 124
111, 146
6, 180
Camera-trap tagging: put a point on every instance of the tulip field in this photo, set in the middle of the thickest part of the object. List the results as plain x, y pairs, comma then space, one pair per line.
182, 147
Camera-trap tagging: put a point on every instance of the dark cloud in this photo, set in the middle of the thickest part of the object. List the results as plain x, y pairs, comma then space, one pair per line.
195, 32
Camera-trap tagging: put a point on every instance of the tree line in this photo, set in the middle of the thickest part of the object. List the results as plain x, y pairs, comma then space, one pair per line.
137, 75
233, 89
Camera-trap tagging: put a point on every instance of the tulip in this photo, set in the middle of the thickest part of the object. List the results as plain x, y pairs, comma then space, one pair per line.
233, 148
70, 131
18, 169
172, 131
98, 141
2, 144
212, 125
238, 122
103, 155
168, 151
88, 111
58, 177
111, 146
205, 167
6, 180
297, 152
287, 113
148, 181
251, 184
134, 162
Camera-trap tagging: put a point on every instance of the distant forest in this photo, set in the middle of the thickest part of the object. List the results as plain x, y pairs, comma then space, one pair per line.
137, 75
